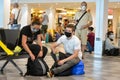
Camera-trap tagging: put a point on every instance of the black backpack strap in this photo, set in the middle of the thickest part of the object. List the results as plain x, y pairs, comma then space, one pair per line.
80, 19
18, 15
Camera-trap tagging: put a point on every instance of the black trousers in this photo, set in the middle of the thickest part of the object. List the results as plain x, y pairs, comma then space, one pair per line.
36, 49
113, 52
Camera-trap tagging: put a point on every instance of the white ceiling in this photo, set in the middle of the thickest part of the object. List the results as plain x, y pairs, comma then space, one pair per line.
74, 5
54, 1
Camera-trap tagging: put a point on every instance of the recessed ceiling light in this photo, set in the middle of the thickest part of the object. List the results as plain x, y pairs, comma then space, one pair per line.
56, 3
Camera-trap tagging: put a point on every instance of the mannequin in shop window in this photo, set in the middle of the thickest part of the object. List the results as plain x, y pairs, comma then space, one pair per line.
110, 48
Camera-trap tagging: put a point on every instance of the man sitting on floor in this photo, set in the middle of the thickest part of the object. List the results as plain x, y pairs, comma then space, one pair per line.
72, 46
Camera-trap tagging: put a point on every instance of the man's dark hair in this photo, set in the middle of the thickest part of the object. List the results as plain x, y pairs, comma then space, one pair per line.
90, 28
84, 3
71, 26
36, 22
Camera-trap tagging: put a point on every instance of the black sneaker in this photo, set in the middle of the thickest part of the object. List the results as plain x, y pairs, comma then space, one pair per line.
90, 52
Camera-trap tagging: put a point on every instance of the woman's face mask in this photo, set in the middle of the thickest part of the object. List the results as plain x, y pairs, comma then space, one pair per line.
111, 36
83, 8
34, 30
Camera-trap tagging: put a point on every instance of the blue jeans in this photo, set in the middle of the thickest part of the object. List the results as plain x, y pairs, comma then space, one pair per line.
90, 48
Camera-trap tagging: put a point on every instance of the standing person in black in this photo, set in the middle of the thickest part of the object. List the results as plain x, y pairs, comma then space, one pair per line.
28, 34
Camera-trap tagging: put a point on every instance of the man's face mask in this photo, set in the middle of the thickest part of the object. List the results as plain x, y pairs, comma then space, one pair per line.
83, 8
68, 34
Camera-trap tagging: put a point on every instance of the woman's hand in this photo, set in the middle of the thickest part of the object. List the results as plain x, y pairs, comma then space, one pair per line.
32, 57
40, 54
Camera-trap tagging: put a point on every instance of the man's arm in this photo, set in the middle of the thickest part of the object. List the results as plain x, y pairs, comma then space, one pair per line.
53, 47
74, 55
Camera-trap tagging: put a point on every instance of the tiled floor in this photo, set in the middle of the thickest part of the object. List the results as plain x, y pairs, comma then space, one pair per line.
107, 68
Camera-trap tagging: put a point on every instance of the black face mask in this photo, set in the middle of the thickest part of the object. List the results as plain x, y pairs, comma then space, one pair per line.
68, 34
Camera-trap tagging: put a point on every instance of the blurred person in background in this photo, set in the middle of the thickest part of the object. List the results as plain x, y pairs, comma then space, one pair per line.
110, 48
83, 24
66, 22
44, 21
72, 55
28, 35
14, 17
90, 40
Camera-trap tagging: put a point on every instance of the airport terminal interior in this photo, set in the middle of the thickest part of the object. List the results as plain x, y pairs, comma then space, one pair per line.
97, 66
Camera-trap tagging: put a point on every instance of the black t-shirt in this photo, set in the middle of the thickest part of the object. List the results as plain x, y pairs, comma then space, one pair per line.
30, 35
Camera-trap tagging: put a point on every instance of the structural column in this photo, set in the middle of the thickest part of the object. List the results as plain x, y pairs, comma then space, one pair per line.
25, 15
4, 13
115, 21
118, 24
101, 26
51, 14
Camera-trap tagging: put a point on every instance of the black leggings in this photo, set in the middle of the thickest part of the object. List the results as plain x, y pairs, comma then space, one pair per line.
36, 49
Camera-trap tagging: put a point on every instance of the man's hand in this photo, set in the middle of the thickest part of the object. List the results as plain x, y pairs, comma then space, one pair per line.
32, 57
61, 62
